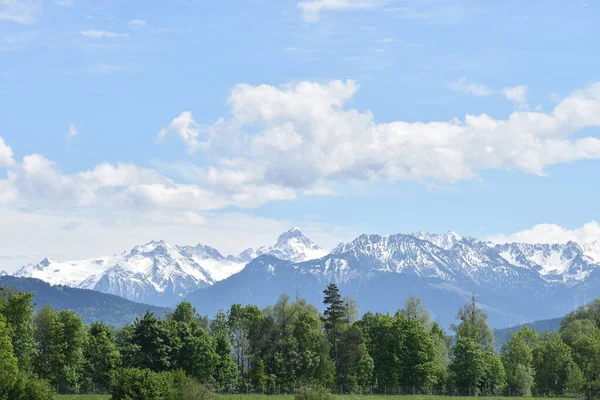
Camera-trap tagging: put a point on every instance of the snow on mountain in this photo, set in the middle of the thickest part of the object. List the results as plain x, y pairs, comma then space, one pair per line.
380, 271
515, 282
156, 272
566, 263
69, 273
160, 273
291, 246
3, 273
592, 251
443, 240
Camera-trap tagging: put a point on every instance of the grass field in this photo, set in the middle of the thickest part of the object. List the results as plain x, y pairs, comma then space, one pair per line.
284, 397
83, 397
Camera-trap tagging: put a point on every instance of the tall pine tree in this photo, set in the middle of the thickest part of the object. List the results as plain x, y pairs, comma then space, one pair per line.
335, 320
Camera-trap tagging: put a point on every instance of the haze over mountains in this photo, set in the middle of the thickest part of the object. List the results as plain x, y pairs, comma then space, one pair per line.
516, 283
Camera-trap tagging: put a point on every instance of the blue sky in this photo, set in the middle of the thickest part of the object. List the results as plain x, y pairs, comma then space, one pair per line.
226, 122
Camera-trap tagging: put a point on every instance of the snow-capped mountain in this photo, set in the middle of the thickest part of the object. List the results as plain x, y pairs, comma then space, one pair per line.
160, 273
3, 273
443, 240
156, 272
515, 282
293, 246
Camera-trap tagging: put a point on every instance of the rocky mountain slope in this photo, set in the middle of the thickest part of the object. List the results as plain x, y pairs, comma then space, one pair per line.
160, 273
515, 283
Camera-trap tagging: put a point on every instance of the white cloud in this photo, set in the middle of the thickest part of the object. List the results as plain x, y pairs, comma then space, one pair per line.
464, 86
37, 183
300, 135
98, 34
186, 128
20, 11
79, 236
552, 233
311, 10
71, 133
517, 95
136, 23
6, 154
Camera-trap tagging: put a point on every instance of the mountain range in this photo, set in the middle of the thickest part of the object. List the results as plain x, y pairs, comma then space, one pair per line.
515, 283
160, 273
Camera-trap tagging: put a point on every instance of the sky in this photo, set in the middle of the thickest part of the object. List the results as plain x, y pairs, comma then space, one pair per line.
227, 122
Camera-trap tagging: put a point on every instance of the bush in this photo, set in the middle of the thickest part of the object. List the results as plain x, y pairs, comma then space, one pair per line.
30, 387
190, 389
143, 384
314, 394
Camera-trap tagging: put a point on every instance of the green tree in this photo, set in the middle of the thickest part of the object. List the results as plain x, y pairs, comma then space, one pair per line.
313, 350
29, 387
151, 337
417, 352
335, 320
517, 358
351, 307
18, 310
8, 362
70, 336
243, 323
226, 372
102, 357
196, 352
355, 365
383, 338
473, 324
494, 379
441, 359
45, 324
184, 312
468, 366
414, 309
572, 331
552, 360
575, 382
522, 380
259, 376
60, 337
590, 312
586, 354
128, 349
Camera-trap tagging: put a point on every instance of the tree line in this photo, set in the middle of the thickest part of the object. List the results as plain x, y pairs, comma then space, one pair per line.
288, 347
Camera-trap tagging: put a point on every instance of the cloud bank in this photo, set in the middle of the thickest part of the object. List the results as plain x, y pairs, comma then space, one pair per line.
299, 135
552, 233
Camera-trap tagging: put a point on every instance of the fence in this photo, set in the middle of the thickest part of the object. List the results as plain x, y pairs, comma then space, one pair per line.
397, 391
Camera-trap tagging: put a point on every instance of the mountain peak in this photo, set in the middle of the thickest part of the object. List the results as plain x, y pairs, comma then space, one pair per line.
46, 262
443, 240
292, 245
290, 234
149, 247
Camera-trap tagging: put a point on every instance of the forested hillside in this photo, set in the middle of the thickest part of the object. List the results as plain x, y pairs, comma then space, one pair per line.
287, 348
543, 326
90, 305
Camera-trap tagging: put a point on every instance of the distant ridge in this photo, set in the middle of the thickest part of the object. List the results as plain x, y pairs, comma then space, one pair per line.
90, 305
545, 325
